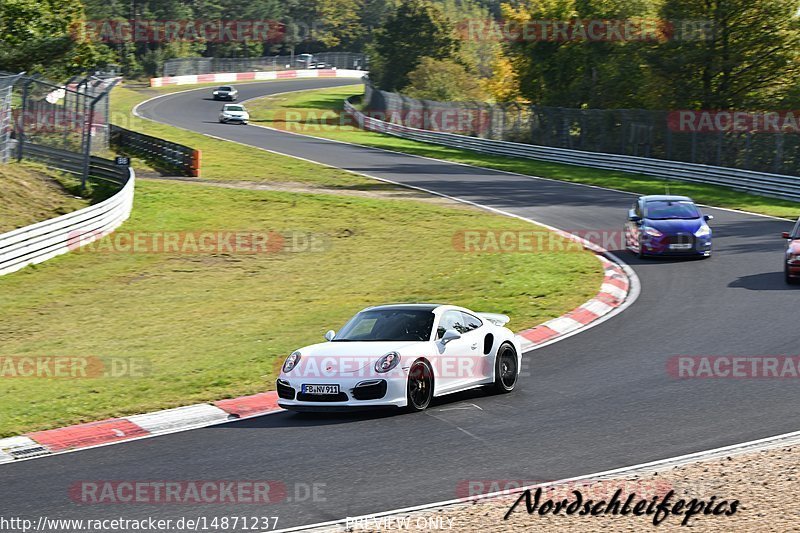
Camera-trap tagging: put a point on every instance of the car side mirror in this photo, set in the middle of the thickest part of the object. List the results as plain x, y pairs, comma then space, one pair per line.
634, 218
786, 235
708, 217
329, 336
450, 335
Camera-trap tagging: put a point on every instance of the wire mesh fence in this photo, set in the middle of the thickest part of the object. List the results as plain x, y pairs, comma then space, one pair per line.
71, 117
68, 116
213, 65
631, 132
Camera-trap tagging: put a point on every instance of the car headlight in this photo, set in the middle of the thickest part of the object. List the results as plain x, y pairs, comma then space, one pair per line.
793, 258
291, 362
653, 232
704, 231
387, 362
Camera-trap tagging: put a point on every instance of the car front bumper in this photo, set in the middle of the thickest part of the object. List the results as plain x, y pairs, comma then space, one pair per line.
700, 246
374, 392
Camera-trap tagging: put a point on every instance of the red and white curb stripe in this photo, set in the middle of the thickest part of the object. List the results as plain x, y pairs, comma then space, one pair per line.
231, 77
612, 294
133, 427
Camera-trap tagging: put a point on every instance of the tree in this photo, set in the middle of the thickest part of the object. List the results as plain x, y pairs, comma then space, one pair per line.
502, 85
745, 55
417, 29
40, 36
577, 71
443, 80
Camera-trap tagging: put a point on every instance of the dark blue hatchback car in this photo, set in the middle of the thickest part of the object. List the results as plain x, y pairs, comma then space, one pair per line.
667, 225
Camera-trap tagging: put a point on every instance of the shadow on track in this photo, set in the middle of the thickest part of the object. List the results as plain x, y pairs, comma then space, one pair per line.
296, 420
766, 281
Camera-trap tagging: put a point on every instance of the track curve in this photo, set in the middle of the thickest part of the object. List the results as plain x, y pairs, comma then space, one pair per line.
596, 401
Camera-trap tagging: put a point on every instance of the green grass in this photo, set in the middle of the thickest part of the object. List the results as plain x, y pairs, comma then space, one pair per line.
31, 193
212, 326
317, 112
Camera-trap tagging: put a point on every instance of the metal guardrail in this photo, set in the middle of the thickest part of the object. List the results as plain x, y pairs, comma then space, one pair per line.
99, 168
761, 183
44, 240
177, 158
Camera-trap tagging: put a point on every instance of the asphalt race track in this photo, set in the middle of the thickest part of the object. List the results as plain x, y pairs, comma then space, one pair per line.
598, 400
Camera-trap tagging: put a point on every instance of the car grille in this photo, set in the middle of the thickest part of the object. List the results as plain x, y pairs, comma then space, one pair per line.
285, 391
370, 390
303, 397
681, 238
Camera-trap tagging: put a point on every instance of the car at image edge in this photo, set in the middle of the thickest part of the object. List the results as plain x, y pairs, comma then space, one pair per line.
401, 355
667, 225
791, 259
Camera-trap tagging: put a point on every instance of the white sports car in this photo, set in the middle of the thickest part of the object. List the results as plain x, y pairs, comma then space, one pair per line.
401, 355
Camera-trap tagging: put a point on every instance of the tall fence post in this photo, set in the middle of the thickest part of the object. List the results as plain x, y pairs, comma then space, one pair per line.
21, 125
6, 114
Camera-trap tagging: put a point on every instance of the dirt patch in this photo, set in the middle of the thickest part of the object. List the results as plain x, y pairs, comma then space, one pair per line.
379, 190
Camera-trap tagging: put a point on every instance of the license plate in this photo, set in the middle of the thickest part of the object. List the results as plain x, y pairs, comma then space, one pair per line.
321, 389
681, 246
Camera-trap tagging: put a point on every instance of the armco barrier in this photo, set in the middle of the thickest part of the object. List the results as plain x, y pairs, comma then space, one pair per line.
177, 158
231, 77
45, 240
765, 184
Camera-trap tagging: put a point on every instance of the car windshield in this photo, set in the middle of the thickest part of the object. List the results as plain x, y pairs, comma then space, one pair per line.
388, 325
234, 108
671, 209
225, 89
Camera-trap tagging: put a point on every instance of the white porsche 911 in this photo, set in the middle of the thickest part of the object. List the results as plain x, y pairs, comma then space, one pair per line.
401, 355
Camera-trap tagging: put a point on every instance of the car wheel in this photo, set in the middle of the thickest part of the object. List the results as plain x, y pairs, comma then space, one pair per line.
789, 279
505, 369
420, 386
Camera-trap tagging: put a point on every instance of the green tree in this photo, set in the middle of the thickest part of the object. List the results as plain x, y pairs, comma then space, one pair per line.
443, 80
578, 71
417, 29
746, 54
42, 36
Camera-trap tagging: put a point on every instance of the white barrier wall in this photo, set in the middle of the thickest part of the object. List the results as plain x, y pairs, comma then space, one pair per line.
44, 240
231, 77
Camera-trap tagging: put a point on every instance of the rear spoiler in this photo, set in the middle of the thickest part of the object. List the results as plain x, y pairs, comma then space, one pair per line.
495, 318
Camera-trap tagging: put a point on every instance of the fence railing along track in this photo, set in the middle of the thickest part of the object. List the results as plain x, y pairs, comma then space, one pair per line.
762, 183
